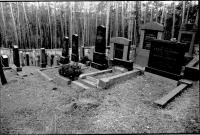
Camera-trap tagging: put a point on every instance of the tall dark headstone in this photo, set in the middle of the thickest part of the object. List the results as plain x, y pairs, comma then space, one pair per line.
3, 78
16, 60
5, 61
27, 59
42, 58
99, 55
74, 55
64, 59
166, 59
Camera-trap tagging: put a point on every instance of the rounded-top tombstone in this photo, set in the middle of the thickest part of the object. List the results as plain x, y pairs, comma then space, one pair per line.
100, 44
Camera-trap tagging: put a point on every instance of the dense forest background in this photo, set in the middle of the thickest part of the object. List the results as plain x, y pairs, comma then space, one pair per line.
45, 24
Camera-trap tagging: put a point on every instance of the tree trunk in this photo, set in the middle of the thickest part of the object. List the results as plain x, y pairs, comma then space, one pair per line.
4, 24
107, 22
173, 21
161, 20
122, 18
14, 25
40, 26
137, 23
3, 78
71, 24
197, 18
61, 23
65, 21
186, 20
151, 19
183, 14
145, 13
50, 27
116, 15
55, 25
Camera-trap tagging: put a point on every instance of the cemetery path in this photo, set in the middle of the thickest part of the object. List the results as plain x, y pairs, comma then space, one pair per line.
31, 105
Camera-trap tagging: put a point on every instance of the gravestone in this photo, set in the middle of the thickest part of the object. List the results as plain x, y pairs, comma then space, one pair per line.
5, 61
55, 61
21, 58
48, 60
82, 52
74, 54
16, 60
166, 59
30, 61
64, 59
99, 55
119, 52
187, 35
27, 59
91, 53
149, 31
42, 58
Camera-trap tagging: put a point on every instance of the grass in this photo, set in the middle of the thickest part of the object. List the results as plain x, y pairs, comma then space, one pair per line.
29, 106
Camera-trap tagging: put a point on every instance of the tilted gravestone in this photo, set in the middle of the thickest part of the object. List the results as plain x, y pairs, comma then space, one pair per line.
99, 55
16, 60
119, 52
149, 31
64, 59
74, 54
42, 58
187, 35
166, 59
5, 61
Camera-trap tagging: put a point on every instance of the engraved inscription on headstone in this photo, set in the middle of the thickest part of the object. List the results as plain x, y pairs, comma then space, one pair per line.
100, 44
186, 38
118, 53
148, 36
166, 56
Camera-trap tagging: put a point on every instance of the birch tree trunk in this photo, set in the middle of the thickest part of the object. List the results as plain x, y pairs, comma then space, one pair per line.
61, 23
51, 34
183, 14
107, 22
116, 19
186, 20
197, 18
70, 27
4, 24
173, 21
40, 26
122, 18
55, 25
14, 25
161, 20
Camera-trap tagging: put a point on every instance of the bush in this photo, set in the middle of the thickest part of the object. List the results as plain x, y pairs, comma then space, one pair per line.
70, 71
84, 59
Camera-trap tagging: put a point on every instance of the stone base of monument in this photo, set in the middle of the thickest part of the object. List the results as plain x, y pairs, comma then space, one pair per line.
43, 65
64, 60
163, 73
98, 66
192, 69
17, 69
126, 64
74, 58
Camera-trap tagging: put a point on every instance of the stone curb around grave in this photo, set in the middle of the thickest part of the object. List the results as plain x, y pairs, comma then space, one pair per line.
61, 80
44, 76
17, 69
106, 82
83, 76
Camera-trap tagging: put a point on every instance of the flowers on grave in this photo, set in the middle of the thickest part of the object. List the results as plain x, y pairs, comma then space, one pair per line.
71, 71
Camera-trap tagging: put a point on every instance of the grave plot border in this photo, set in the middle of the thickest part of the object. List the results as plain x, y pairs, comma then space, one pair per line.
43, 75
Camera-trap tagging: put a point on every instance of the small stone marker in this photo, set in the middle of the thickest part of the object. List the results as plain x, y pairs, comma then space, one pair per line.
119, 53
64, 59
52, 57
82, 52
149, 31
166, 59
27, 59
42, 58
5, 61
99, 56
55, 61
74, 55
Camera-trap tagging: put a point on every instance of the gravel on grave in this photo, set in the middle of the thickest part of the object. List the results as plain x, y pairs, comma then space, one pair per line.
28, 105
105, 75
52, 71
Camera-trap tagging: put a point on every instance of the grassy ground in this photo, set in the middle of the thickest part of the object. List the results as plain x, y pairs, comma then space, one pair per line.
30, 105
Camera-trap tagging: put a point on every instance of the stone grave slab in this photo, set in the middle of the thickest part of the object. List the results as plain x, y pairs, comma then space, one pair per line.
149, 31
166, 59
